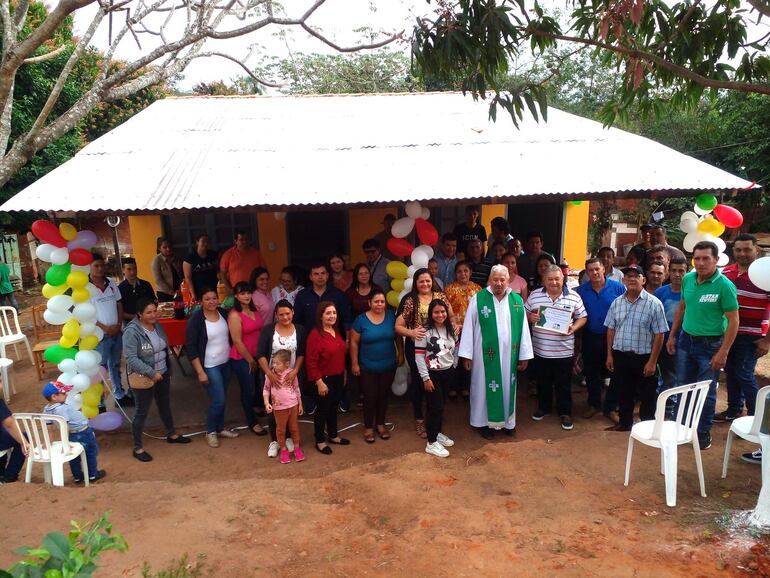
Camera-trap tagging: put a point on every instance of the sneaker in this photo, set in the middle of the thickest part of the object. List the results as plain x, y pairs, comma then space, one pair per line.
606, 382
226, 433
310, 409
344, 406
273, 449
725, 416
444, 440
436, 449
285, 459
212, 440
754, 457
590, 412
540, 414
566, 422
613, 416
704, 441
290, 444
299, 455
100, 474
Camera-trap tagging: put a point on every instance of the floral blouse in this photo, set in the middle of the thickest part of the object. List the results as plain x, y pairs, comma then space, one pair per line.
412, 318
460, 296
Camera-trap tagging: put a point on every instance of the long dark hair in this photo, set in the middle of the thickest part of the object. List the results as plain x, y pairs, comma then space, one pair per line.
413, 296
242, 286
282, 303
319, 315
356, 269
255, 274
433, 304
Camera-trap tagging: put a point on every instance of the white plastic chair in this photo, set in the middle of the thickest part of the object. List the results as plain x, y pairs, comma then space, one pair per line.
668, 435
6, 375
53, 454
11, 333
746, 427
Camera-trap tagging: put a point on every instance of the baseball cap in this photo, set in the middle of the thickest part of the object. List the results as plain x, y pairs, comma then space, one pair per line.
635, 268
54, 387
646, 227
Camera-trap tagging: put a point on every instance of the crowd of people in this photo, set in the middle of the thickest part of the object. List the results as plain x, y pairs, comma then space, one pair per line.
485, 309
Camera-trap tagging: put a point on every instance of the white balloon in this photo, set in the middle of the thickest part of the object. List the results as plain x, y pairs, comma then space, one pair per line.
420, 257
60, 256
723, 260
84, 312
403, 294
88, 328
99, 332
97, 356
410, 273
407, 285
700, 211
83, 268
720, 243
425, 213
688, 215
428, 250
402, 227
74, 399
93, 372
60, 303
759, 273
86, 360
413, 209
689, 225
66, 378
67, 366
689, 241
81, 382
43, 252
56, 318
399, 386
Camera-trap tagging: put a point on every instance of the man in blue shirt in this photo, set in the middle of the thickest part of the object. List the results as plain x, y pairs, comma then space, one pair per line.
447, 259
670, 295
597, 295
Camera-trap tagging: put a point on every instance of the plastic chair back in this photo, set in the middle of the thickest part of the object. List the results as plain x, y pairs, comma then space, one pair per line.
759, 411
37, 436
9, 322
689, 408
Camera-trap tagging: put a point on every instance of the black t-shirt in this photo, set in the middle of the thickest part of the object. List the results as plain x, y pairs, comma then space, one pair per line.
5, 413
464, 233
129, 294
204, 271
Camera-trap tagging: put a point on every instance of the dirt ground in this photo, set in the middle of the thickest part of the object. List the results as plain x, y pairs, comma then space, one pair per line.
544, 503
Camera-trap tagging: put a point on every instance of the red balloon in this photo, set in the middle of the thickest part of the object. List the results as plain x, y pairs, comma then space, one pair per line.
730, 216
400, 247
426, 232
49, 233
80, 257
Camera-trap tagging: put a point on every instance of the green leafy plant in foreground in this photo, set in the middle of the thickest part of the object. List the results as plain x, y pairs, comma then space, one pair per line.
68, 556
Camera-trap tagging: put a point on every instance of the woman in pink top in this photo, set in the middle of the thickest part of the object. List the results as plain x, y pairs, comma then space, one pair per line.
245, 325
262, 299
517, 283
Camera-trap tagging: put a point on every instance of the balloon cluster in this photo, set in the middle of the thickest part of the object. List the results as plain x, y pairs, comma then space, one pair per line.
416, 218
707, 222
68, 291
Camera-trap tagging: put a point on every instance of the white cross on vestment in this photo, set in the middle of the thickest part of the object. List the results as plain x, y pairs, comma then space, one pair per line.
493, 386
485, 311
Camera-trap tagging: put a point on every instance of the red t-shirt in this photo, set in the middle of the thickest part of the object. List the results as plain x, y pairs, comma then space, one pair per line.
324, 354
754, 303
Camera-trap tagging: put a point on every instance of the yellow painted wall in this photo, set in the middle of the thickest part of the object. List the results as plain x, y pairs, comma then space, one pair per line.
144, 231
364, 224
489, 212
575, 234
272, 244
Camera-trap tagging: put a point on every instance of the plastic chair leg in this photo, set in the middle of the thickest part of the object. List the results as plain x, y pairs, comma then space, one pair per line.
84, 466
628, 459
47, 472
699, 466
728, 448
16, 351
29, 352
6, 385
28, 474
57, 472
670, 463
662, 465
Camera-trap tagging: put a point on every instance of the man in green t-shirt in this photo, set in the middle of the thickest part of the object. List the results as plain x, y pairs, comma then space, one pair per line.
7, 298
708, 316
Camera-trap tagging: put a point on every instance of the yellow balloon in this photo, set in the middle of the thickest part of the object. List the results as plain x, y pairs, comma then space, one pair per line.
71, 330
392, 298
80, 295
53, 290
90, 410
88, 342
397, 285
66, 342
396, 270
711, 226
68, 231
91, 397
719, 228
77, 279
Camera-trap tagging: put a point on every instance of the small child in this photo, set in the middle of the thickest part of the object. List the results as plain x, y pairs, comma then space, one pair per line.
79, 430
286, 404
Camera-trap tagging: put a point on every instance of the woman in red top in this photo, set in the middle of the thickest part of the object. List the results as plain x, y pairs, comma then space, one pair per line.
325, 364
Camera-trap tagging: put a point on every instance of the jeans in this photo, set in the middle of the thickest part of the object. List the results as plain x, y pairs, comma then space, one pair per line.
554, 374
594, 368
240, 368
9, 300
110, 348
442, 381
10, 466
693, 364
741, 383
417, 391
632, 384
325, 416
376, 390
88, 440
144, 397
216, 389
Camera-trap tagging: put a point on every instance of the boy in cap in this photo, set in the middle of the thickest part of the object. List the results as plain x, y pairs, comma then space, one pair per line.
79, 430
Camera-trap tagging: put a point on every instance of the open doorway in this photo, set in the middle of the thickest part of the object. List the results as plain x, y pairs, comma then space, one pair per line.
546, 218
313, 234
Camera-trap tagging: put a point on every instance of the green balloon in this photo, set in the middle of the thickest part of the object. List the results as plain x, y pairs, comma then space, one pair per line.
706, 202
57, 274
577, 203
56, 354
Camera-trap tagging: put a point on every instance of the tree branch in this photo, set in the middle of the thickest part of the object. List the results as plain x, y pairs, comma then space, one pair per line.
20, 13
387, 40
245, 68
761, 7
47, 56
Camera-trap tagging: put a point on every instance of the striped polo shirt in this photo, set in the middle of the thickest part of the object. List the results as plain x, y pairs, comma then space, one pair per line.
753, 303
548, 343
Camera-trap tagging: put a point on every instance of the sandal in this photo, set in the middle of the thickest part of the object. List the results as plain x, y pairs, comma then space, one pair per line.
419, 426
258, 430
369, 438
383, 433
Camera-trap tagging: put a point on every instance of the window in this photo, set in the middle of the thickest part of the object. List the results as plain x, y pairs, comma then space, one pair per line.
182, 229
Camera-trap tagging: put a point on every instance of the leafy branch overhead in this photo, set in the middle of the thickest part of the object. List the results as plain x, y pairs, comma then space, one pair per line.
669, 53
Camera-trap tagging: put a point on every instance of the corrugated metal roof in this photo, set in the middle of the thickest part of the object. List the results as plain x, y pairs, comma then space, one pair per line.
191, 153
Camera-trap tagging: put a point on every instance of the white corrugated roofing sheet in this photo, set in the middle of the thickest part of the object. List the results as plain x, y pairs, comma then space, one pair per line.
191, 153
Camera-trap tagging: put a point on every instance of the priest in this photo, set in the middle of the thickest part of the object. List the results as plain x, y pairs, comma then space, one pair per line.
495, 345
